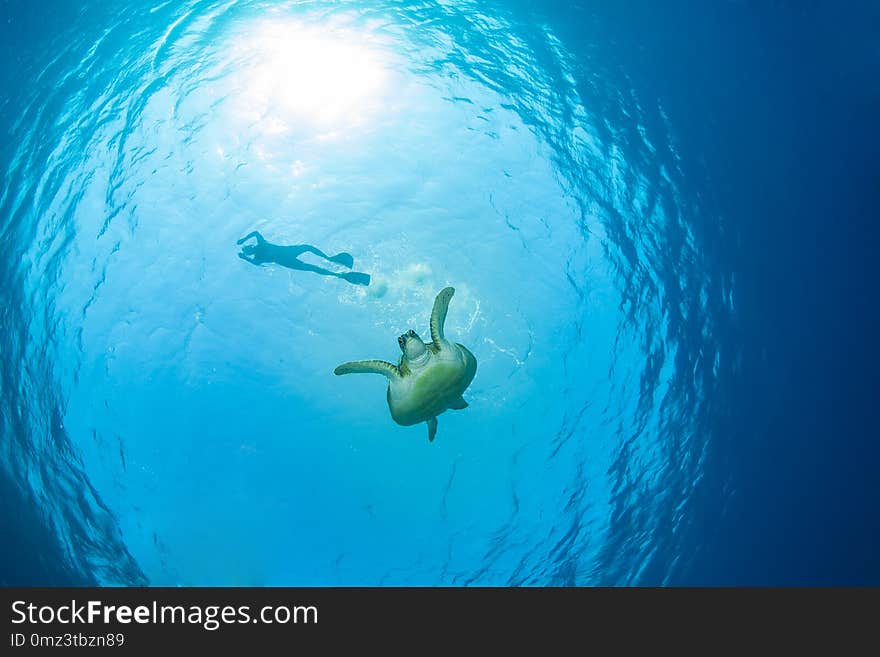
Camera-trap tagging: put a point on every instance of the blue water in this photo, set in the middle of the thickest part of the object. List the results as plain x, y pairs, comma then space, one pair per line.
658, 219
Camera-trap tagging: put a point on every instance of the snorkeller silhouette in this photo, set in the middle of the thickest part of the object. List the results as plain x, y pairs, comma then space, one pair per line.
263, 252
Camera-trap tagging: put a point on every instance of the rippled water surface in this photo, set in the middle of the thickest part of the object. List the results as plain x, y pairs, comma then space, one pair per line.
171, 407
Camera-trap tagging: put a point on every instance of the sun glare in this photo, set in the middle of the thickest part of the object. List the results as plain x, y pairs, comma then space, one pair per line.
332, 78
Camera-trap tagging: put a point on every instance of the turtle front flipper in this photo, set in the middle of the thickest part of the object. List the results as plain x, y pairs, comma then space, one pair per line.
368, 367
432, 429
438, 313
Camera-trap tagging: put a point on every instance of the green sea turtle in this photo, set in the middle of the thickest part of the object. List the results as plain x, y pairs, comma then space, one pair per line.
429, 378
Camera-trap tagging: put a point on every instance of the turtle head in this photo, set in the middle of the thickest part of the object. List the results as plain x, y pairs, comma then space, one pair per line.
411, 345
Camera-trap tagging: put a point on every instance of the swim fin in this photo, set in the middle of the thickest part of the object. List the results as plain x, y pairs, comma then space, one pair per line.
343, 259
356, 277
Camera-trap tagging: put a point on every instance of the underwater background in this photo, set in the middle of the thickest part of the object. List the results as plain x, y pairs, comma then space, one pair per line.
659, 219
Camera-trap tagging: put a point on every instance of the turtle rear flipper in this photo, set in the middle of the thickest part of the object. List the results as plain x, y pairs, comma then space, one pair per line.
432, 429
458, 404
